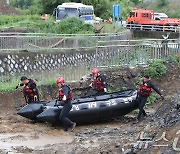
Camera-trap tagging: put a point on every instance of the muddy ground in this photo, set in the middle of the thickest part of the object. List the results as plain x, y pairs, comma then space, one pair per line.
18, 135
7, 9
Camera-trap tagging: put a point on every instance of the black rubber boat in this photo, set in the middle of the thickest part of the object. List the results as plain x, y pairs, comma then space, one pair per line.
84, 110
31, 111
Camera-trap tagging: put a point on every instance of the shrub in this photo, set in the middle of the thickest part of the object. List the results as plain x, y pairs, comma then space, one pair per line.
66, 26
73, 26
35, 24
139, 81
151, 100
9, 20
161, 3
156, 69
174, 59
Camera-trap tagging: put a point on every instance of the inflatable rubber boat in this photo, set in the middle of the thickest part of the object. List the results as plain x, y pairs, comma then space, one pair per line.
84, 110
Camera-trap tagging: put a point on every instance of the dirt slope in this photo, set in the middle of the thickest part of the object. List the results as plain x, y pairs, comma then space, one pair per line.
6, 9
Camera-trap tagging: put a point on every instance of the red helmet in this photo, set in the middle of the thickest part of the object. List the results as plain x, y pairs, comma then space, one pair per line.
95, 71
60, 80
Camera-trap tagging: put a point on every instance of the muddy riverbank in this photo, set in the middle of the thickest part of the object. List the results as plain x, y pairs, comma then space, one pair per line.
119, 135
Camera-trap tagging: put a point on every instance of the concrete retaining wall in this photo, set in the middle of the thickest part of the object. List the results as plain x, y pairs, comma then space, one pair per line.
28, 62
153, 34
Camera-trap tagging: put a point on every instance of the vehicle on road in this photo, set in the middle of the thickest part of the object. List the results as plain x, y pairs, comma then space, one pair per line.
149, 17
79, 10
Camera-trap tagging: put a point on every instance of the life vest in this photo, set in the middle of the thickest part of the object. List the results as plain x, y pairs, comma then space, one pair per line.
27, 91
144, 90
61, 94
98, 84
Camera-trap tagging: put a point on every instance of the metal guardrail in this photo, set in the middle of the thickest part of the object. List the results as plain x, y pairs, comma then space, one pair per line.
139, 41
29, 41
53, 34
24, 41
135, 52
154, 28
47, 66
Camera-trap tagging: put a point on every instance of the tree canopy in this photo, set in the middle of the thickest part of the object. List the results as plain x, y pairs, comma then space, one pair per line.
103, 8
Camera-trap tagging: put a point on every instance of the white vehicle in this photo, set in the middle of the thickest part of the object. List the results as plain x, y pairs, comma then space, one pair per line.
67, 10
160, 16
97, 20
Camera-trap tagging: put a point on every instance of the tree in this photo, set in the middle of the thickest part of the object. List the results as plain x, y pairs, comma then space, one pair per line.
136, 1
102, 7
47, 6
22, 4
161, 3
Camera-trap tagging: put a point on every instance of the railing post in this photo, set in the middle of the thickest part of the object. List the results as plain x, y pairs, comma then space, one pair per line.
96, 51
152, 28
141, 27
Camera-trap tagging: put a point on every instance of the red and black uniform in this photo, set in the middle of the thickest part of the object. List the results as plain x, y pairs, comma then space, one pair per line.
99, 84
29, 91
144, 92
65, 90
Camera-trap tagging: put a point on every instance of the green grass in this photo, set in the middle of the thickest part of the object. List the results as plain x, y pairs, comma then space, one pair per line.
33, 23
50, 81
18, 21
174, 59
151, 100
109, 28
8, 85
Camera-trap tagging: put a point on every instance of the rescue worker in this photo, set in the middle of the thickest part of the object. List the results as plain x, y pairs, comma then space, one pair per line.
65, 97
30, 90
110, 20
144, 92
99, 82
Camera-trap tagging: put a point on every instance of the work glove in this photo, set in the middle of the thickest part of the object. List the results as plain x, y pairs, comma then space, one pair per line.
64, 98
19, 85
91, 85
35, 98
58, 103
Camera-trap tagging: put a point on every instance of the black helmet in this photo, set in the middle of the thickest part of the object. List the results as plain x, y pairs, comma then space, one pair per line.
23, 78
147, 76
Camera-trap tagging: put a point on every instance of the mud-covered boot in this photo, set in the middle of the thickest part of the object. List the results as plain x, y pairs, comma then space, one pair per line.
136, 121
73, 126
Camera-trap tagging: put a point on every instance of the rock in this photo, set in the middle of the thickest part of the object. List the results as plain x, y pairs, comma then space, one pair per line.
126, 80
117, 145
178, 105
162, 123
91, 142
128, 151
